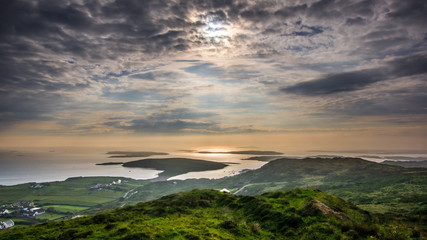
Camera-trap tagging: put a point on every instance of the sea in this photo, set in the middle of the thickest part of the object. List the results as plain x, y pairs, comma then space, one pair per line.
48, 165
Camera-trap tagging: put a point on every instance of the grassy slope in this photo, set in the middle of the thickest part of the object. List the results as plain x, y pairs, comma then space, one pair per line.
363, 182
201, 214
393, 191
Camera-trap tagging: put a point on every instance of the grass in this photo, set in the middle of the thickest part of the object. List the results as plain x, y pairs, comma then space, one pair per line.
209, 214
50, 216
65, 208
392, 192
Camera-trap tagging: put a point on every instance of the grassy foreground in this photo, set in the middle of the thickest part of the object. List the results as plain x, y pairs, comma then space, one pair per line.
210, 214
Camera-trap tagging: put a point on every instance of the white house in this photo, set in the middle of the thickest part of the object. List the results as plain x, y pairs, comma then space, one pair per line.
225, 190
37, 211
5, 211
9, 223
34, 212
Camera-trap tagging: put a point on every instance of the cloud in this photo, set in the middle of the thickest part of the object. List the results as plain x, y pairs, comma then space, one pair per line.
205, 69
181, 114
356, 80
405, 102
336, 83
355, 21
411, 11
154, 59
408, 66
165, 126
308, 31
147, 76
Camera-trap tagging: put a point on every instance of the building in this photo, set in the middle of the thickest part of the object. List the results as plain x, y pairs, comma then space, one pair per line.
9, 223
225, 190
23, 204
34, 212
4, 211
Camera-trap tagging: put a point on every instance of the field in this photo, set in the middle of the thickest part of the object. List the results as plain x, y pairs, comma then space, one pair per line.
65, 199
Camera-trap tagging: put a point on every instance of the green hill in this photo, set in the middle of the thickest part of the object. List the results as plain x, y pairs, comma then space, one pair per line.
376, 187
393, 193
210, 214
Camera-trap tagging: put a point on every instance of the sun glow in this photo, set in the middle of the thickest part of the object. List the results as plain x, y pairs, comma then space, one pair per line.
217, 31
215, 150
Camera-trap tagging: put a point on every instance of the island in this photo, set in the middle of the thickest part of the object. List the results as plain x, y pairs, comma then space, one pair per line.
110, 163
249, 152
263, 158
131, 154
175, 166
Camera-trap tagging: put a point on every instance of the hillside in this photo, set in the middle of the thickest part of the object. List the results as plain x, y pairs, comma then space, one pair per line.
376, 187
394, 192
210, 214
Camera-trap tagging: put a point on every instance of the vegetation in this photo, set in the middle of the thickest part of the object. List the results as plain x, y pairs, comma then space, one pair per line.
67, 198
393, 194
407, 164
210, 214
400, 191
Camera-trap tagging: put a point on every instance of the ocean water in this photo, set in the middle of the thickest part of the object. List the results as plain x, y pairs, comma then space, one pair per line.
47, 165
41, 165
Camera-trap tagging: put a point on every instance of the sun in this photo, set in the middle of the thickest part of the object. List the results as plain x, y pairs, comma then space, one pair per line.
216, 31
216, 149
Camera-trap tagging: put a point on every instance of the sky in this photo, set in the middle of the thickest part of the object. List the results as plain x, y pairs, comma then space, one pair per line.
305, 74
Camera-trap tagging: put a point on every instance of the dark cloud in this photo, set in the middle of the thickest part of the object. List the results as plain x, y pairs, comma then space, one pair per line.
324, 9
408, 66
179, 120
410, 11
308, 31
180, 114
21, 106
167, 121
355, 21
255, 14
403, 102
166, 126
335, 83
363, 8
292, 11
356, 80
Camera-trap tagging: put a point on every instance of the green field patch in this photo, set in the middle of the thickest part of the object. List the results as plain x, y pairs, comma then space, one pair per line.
66, 208
82, 201
50, 216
